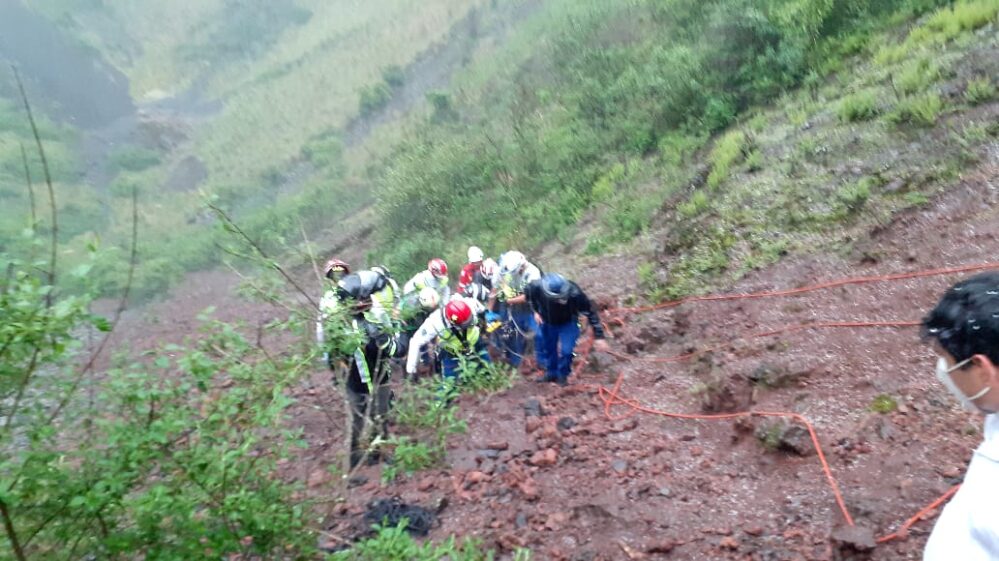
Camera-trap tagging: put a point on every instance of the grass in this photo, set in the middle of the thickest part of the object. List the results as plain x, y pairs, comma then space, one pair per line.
861, 106
980, 90
921, 110
728, 151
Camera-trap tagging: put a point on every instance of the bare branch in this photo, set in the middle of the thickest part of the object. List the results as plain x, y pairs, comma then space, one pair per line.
48, 182
256, 247
31, 189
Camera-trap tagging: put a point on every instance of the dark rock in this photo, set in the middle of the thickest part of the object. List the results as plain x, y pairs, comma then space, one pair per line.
488, 453
533, 408
356, 481
853, 539
585, 555
600, 362
619, 466
633, 344
566, 423
520, 521
654, 334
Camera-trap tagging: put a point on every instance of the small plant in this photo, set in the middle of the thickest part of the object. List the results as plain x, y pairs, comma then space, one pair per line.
697, 204
409, 456
393, 76
980, 90
477, 376
884, 404
854, 196
754, 161
916, 198
769, 435
861, 106
916, 76
391, 543
727, 152
919, 110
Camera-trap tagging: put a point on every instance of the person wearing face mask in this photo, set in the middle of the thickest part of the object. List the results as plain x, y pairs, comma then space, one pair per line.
964, 330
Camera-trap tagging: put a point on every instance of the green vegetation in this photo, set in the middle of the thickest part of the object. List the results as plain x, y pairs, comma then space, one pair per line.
884, 404
165, 460
861, 106
919, 110
394, 543
134, 158
536, 152
729, 149
980, 90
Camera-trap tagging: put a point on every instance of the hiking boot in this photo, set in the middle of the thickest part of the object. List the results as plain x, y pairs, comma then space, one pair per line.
546, 379
563, 382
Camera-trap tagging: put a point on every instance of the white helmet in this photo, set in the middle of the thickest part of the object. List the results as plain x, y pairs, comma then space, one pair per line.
429, 298
475, 254
511, 261
488, 268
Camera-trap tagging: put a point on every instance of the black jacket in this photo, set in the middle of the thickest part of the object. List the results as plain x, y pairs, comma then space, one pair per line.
558, 313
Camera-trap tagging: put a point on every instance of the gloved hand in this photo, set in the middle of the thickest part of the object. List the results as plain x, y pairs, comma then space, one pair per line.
492, 316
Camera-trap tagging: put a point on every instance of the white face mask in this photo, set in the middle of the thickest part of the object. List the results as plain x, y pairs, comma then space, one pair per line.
968, 402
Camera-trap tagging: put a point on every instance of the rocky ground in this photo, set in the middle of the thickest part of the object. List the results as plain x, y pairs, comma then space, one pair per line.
544, 467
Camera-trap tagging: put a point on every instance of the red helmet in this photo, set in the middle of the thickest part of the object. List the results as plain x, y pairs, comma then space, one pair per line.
437, 267
458, 312
336, 268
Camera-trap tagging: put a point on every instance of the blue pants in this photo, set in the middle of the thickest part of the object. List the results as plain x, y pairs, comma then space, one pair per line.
558, 342
451, 363
523, 326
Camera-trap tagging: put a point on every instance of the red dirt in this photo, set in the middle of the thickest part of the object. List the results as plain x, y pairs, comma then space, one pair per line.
656, 488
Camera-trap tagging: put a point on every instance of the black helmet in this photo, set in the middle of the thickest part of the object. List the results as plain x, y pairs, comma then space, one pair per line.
555, 286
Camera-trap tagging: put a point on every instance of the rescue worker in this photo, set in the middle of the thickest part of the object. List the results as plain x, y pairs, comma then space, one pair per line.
435, 277
480, 284
365, 339
467, 274
456, 328
963, 329
414, 309
513, 276
557, 303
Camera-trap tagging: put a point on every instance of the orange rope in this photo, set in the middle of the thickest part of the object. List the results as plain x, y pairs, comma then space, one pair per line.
804, 326
613, 396
903, 531
812, 288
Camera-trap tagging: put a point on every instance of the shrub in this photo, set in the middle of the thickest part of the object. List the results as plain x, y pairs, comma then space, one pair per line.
727, 151
916, 76
947, 24
860, 106
134, 158
393, 76
980, 90
694, 206
920, 110
374, 98
853, 197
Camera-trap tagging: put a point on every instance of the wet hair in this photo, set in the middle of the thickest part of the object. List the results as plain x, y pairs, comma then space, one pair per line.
966, 320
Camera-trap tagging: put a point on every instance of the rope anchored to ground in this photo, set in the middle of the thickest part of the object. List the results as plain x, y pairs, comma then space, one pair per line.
613, 397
